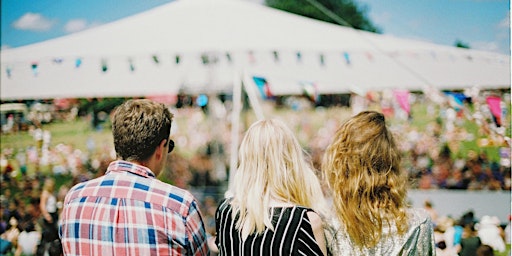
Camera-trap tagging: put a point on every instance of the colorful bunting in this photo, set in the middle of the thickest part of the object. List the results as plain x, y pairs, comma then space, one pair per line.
132, 67
250, 55
347, 57
299, 57
104, 66
263, 87
369, 56
8, 71
35, 68
205, 59
78, 62
276, 56
155, 59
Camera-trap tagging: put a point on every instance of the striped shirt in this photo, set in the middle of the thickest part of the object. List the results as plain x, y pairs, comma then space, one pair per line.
292, 235
130, 212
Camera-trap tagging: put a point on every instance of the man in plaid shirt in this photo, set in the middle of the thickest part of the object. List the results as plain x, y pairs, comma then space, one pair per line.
128, 211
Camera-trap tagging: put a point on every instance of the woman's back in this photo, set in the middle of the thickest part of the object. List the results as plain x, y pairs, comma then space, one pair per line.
418, 240
292, 235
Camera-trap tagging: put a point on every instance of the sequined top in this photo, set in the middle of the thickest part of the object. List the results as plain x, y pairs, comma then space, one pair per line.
418, 240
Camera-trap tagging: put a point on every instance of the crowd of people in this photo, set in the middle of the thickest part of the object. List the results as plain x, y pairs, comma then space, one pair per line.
201, 165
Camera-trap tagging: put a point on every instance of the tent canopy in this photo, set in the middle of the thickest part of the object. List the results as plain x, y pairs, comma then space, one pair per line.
204, 45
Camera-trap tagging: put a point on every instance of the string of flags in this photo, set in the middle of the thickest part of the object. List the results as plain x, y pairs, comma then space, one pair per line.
252, 58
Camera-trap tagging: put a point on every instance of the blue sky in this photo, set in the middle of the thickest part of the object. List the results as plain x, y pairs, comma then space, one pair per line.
483, 24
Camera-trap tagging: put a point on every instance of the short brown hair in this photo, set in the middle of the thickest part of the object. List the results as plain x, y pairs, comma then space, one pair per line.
138, 127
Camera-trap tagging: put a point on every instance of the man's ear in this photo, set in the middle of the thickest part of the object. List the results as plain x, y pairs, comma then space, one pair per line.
161, 150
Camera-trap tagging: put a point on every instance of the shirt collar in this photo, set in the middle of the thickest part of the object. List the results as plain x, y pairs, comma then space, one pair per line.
124, 166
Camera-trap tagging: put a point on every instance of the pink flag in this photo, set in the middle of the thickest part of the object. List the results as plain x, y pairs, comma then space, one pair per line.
402, 96
494, 105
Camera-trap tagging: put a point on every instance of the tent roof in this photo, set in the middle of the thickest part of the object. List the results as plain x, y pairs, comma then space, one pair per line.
337, 58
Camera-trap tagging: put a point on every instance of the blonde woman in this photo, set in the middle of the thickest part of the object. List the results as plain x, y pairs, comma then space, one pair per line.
369, 189
277, 199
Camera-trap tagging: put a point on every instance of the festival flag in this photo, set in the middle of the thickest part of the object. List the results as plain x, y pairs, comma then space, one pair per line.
205, 59
494, 103
456, 100
8, 71
263, 87
251, 57
155, 59
35, 68
132, 67
78, 62
104, 66
276, 56
310, 90
346, 55
402, 96
299, 57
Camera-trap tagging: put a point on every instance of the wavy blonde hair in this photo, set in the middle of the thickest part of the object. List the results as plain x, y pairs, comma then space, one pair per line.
362, 168
272, 165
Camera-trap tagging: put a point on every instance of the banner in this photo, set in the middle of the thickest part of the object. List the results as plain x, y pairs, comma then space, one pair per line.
402, 96
263, 87
494, 103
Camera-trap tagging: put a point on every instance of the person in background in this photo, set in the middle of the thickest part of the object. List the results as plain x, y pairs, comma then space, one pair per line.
470, 241
128, 211
490, 232
28, 240
277, 201
369, 188
484, 250
50, 215
429, 207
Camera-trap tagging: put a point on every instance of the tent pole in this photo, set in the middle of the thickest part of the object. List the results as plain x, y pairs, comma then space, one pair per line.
235, 128
253, 98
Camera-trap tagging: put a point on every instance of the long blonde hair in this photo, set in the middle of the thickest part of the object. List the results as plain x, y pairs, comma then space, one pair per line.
362, 168
272, 165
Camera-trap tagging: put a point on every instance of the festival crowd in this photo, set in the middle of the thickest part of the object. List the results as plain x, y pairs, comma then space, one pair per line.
200, 163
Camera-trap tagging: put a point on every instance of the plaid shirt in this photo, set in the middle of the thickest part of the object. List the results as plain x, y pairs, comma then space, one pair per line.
130, 212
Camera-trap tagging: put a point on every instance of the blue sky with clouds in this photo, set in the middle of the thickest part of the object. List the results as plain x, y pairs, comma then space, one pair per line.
483, 24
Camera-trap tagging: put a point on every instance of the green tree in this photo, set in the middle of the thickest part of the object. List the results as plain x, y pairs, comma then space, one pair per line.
341, 12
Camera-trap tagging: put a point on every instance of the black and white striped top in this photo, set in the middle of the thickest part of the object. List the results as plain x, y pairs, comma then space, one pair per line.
293, 234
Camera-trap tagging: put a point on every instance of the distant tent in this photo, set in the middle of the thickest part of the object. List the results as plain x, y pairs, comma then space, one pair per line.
203, 46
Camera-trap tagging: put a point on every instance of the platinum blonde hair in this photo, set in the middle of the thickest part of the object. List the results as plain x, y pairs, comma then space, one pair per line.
272, 165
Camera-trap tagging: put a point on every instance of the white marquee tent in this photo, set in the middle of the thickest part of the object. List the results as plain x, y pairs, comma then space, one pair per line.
205, 45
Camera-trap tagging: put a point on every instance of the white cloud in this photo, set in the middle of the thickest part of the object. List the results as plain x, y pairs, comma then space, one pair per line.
505, 22
34, 22
75, 25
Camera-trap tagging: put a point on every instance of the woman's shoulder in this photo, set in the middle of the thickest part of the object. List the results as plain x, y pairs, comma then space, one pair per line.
418, 216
